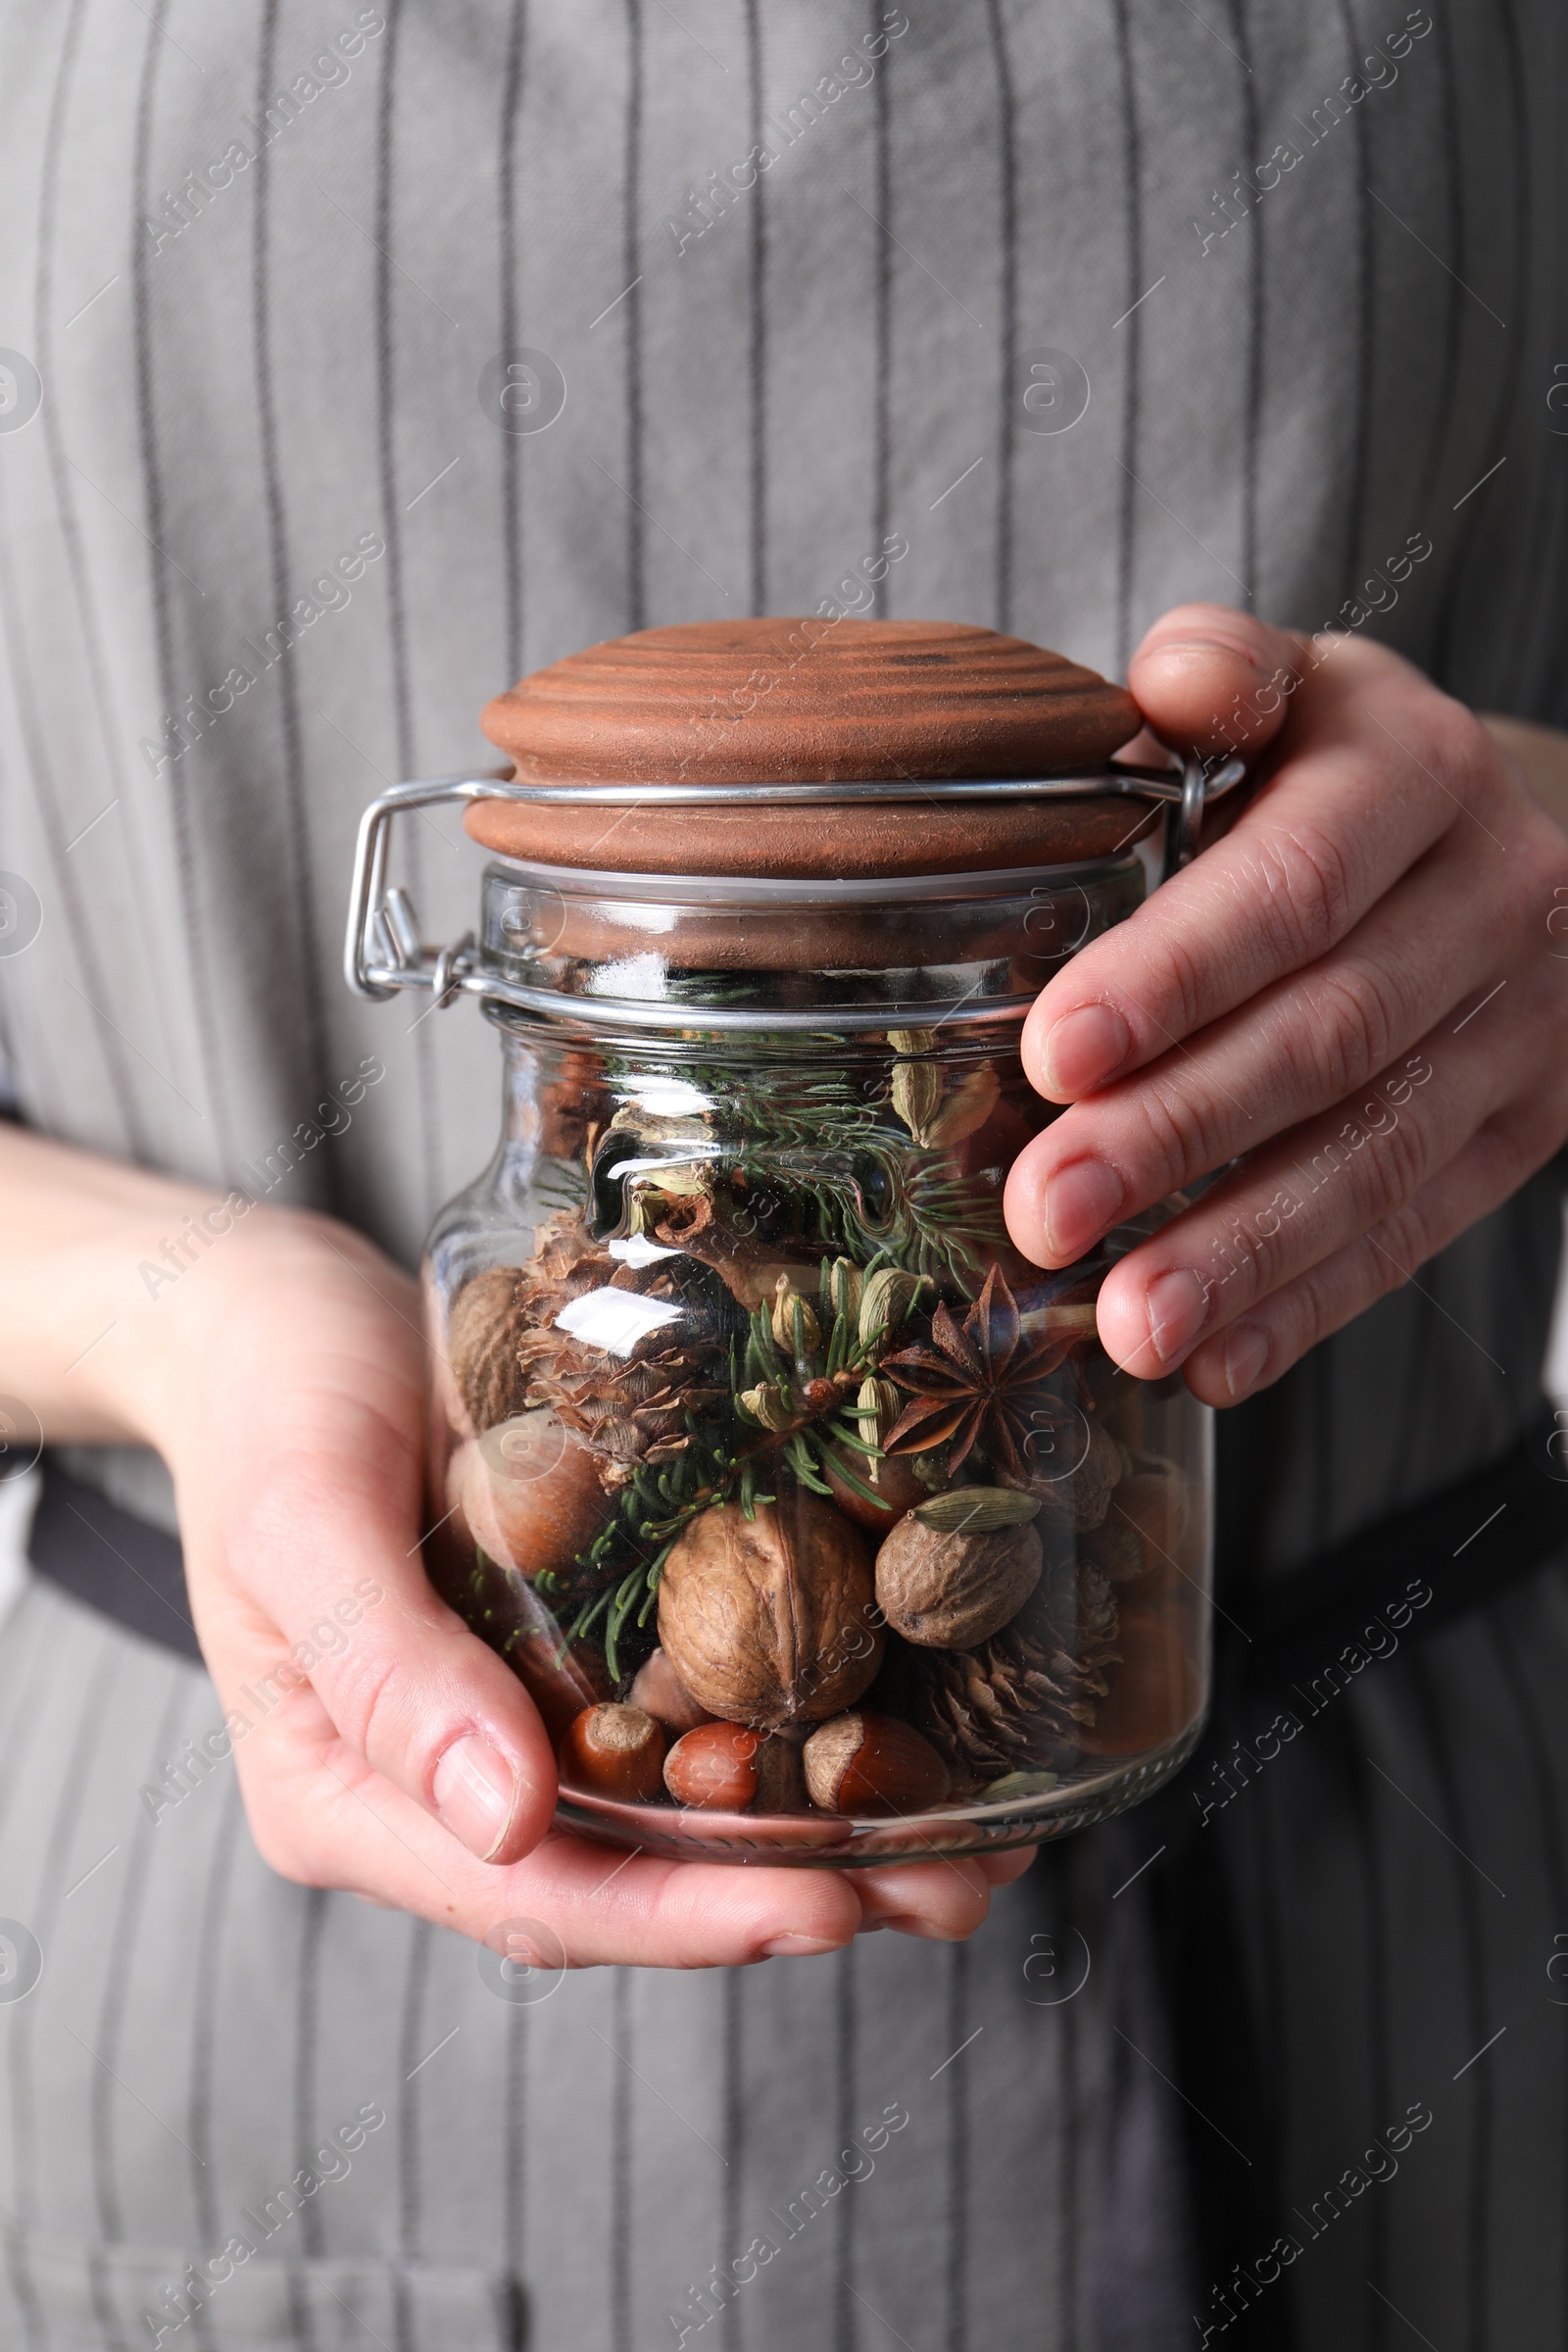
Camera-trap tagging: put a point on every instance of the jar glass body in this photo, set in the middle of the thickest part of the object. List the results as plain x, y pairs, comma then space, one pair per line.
814, 1517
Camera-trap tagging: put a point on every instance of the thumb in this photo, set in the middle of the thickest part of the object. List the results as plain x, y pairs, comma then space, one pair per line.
1209, 679
325, 1567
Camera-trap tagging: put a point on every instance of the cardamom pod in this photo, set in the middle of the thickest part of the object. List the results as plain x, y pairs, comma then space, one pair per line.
845, 1282
769, 1407
876, 1409
885, 1300
917, 1090
787, 1304
965, 1107
977, 1510
913, 1041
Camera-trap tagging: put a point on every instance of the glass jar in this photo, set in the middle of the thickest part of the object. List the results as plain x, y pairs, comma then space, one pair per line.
814, 1517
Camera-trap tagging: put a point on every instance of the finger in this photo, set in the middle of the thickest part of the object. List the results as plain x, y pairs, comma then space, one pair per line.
1313, 1191
1209, 679
325, 1546
944, 1899
1380, 766
319, 1814
1296, 1050
1255, 1351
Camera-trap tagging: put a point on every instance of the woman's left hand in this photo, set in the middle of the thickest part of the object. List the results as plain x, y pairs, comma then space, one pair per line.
1359, 993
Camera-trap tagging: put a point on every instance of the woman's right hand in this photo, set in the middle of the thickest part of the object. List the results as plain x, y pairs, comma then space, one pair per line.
381, 1747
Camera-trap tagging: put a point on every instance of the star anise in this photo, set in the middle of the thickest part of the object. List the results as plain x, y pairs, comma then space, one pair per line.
978, 1384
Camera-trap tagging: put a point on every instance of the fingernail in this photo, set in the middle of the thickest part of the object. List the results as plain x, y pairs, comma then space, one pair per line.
1177, 1303
1245, 1354
794, 1947
1083, 1050
475, 1792
1081, 1201
911, 1923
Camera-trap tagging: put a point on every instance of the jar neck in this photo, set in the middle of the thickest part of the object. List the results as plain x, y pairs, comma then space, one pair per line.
660, 954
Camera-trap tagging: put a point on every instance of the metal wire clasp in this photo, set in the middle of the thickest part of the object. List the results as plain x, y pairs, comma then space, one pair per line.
384, 952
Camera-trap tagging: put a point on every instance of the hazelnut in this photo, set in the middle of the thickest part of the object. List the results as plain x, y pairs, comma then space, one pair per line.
892, 1480
724, 1768
529, 1491
771, 1620
614, 1750
864, 1763
659, 1689
952, 1588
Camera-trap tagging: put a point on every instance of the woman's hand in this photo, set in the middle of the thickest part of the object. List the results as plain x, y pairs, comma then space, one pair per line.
1359, 993
381, 1747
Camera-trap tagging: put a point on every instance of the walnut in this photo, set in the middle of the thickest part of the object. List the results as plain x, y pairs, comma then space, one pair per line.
482, 1336
771, 1620
952, 1589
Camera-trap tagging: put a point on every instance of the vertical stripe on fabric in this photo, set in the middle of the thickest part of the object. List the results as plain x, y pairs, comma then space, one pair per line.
511, 80
1256, 279
45, 1908
758, 299
112, 730
204, 2015
410, 2178
621, 2337
631, 248
191, 894
1008, 226
1132, 288
1553, 1842
1380, 2091
957, 2333
846, 2092
1357, 474
295, 819
1477, 2171
119, 1960
307, 2057
1518, 328
733, 2150
34, 1676
881, 314
83, 933
392, 533
1456, 268
514, 2146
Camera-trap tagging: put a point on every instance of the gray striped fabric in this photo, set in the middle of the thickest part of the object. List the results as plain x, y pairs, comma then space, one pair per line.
252, 378
911, 2133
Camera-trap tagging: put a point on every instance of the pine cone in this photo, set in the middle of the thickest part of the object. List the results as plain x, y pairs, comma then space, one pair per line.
1014, 1703
508, 1354
629, 1407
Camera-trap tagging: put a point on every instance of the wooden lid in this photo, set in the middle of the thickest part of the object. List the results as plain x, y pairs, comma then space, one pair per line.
807, 701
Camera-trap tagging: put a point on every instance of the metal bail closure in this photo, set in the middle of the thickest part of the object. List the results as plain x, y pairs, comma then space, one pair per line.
383, 951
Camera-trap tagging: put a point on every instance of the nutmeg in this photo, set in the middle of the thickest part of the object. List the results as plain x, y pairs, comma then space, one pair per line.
659, 1689
864, 1763
952, 1587
771, 1620
615, 1751
724, 1768
529, 1491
